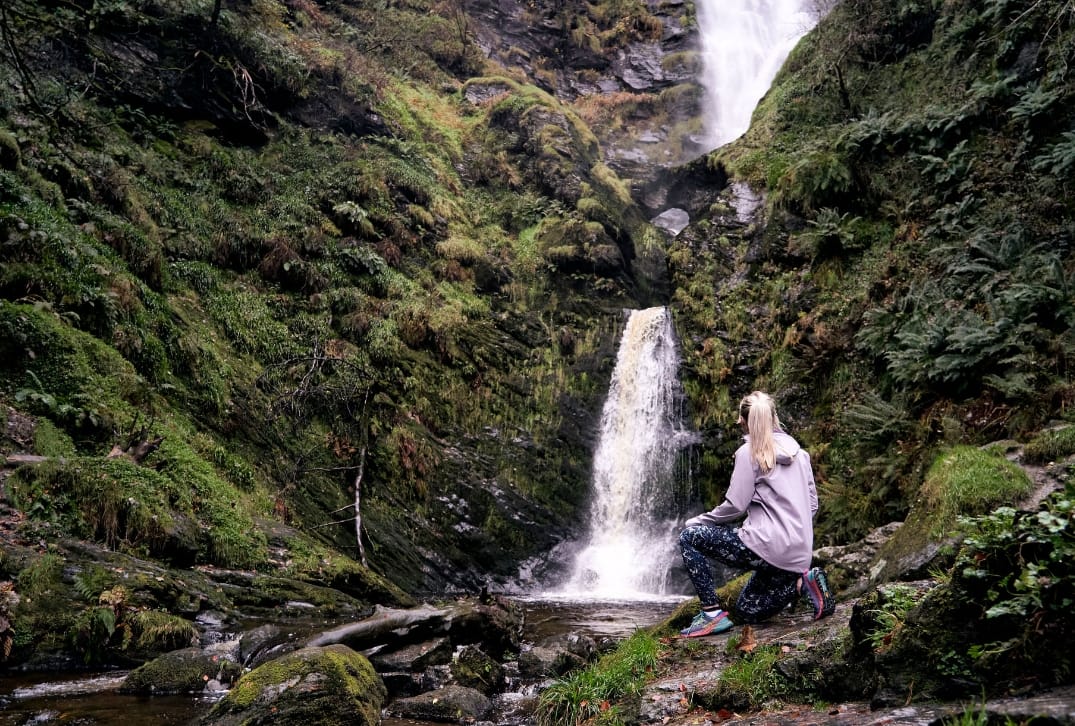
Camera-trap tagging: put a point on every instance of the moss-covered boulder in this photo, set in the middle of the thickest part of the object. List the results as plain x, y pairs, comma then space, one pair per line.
330, 685
475, 669
961, 481
182, 671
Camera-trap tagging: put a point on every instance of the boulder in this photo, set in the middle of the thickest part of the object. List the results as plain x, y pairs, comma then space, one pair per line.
848, 566
453, 704
182, 671
540, 662
264, 643
673, 221
412, 658
324, 686
475, 669
556, 656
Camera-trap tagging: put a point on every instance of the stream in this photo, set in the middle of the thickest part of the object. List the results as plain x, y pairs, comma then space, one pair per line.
92, 699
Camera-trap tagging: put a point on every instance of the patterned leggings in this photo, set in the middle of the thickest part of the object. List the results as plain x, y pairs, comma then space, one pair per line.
769, 589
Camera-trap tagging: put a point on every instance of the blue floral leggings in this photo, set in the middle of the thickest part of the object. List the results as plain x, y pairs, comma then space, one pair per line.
769, 589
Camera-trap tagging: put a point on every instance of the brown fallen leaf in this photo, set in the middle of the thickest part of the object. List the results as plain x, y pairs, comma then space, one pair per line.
748, 642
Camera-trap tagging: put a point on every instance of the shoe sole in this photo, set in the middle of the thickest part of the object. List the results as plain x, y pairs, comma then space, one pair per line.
819, 597
719, 625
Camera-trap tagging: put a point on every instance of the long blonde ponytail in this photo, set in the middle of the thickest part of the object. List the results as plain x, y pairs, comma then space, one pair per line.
759, 412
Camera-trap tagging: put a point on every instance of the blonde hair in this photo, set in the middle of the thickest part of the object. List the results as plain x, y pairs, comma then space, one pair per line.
759, 412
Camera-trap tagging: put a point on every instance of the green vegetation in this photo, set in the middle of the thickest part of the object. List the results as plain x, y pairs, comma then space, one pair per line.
995, 620
591, 694
749, 681
1051, 445
965, 480
1022, 565
893, 604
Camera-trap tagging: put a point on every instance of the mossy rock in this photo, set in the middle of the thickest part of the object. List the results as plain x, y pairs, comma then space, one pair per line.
1050, 445
253, 592
181, 671
328, 686
10, 155
475, 669
963, 480
927, 657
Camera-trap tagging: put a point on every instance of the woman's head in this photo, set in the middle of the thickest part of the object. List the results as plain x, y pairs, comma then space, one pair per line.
757, 416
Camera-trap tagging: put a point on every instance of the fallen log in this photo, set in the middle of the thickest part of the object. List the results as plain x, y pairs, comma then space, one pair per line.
386, 625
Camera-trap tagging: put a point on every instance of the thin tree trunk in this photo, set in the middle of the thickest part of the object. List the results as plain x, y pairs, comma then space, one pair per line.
358, 506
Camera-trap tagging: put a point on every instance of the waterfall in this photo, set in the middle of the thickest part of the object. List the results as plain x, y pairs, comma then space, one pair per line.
744, 43
631, 545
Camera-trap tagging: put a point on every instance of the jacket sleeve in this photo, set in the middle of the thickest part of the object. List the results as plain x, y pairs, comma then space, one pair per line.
737, 499
811, 486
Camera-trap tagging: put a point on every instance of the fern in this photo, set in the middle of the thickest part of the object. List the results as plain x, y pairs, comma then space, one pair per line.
158, 630
875, 419
90, 582
1034, 103
1060, 157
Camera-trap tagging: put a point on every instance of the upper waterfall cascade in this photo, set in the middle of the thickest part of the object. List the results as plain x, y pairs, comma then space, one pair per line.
631, 544
744, 43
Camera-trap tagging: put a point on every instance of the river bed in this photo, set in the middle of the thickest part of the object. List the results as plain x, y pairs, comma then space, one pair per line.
89, 699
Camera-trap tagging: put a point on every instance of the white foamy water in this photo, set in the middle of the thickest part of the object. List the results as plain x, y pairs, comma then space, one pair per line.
631, 544
744, 43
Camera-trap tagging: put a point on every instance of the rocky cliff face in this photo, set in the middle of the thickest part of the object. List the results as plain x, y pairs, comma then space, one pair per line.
635, 81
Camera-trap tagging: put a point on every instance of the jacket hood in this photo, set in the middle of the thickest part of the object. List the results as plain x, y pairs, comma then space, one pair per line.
787, 448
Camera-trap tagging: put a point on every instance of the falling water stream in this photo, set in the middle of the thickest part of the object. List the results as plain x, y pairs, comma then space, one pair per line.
744, 43
629, 549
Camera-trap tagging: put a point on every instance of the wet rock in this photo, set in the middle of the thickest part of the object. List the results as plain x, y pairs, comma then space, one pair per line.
479, 92
412, 658
181, 671
540, 661
330, 685
556, 656
474, 669
848, 566
182, 541
264, 643
401, 683
253, 592
455, 704
673, 221
639, 66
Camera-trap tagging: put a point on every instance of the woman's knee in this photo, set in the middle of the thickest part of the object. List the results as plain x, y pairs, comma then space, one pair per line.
686, 537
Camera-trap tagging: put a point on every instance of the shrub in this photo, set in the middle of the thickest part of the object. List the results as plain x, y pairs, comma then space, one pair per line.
1018, 571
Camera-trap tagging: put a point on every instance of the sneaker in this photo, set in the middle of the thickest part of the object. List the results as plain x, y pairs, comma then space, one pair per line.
816, 589
704, 624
